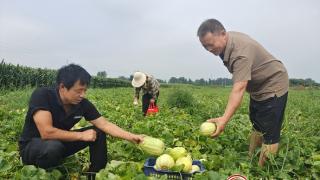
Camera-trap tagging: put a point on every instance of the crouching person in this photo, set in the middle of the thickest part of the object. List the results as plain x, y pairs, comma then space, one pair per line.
150, 88
46, 138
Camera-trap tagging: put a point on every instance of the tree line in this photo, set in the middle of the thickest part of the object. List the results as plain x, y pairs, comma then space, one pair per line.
308, 82
17, 76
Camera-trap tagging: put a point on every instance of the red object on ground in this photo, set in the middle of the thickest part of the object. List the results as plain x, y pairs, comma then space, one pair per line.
152, 109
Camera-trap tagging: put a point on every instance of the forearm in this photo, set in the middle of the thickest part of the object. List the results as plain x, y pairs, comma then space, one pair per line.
58, 134
116, 131
235, 99
136, 93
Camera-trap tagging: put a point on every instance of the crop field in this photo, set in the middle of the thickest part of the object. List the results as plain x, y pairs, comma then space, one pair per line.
298, 156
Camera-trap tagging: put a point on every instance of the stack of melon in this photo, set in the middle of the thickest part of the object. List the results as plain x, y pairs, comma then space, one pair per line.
175, 159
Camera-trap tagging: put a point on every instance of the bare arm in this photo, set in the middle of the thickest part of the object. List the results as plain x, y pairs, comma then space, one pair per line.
116, 131
235, 99
137, 92
136, 95
234, 102
43, 121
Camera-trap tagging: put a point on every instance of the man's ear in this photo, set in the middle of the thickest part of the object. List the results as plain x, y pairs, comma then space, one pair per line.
61, 86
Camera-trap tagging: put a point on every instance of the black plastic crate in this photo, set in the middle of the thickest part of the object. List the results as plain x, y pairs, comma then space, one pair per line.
148, 169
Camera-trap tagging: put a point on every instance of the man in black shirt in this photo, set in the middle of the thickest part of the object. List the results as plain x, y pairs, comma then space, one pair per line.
46, 138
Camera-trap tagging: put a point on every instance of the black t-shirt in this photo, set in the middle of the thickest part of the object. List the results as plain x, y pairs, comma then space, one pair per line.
48, 99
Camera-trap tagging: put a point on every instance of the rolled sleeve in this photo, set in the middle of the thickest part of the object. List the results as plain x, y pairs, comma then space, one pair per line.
39, 101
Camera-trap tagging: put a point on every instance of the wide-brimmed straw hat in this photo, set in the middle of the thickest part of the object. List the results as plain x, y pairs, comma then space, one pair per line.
139, 78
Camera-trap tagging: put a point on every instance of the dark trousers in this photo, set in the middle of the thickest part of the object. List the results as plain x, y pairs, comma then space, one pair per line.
50, 153
146, 101
267, 117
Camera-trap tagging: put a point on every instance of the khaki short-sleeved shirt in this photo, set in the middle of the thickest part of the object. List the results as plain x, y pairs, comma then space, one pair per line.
248, 61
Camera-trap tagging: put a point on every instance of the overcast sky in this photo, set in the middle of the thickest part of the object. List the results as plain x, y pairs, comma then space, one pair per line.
158, 37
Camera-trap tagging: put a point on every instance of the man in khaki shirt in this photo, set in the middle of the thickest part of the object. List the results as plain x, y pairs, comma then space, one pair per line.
253, 70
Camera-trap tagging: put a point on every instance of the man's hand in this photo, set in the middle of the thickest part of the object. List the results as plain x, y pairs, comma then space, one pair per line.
152, 101
135, 101
221, 122
88, 135
137, 138
234, 102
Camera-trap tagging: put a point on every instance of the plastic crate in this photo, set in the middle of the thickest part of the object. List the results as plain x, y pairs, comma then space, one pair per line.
148, 169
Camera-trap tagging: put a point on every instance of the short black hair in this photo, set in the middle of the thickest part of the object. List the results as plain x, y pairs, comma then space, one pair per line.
68, 75
210, 25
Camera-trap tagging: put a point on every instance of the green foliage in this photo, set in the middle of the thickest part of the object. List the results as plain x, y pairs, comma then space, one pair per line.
101, 82
102, 74
181, 98
202, 82
298, 156
18, 77
303, 82
119, 170
14, 77
31, 172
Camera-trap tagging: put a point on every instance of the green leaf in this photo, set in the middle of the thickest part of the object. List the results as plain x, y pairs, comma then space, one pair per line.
4, 165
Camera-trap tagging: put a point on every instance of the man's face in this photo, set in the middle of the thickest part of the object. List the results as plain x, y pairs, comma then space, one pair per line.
75, 94
214, 42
